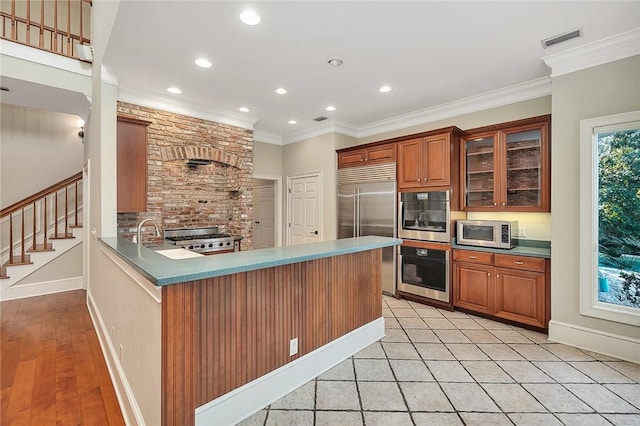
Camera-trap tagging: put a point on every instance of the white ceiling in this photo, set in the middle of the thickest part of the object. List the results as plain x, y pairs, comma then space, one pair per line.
430, 52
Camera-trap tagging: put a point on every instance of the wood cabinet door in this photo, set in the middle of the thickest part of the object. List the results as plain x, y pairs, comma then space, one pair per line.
380, 154
351, 158
473, 287
410, 164
520, 296
525, 168
480, 184
436, 151
131, 167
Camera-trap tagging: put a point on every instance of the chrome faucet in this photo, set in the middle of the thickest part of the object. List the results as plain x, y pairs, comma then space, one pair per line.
139, 231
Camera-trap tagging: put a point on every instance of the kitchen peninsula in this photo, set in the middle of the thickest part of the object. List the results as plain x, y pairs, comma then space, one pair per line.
229, 334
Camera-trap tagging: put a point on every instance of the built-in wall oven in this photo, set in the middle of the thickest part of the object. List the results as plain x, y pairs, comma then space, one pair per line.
423, 270
424, 222
425, 216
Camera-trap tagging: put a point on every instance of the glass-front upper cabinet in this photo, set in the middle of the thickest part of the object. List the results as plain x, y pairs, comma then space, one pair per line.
508, 169
523, 162
480, 155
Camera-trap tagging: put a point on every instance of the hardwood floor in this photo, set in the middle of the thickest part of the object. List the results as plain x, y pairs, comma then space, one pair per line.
52, 371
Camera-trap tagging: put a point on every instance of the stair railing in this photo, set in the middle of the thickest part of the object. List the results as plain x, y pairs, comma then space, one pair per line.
61, 25
36, 210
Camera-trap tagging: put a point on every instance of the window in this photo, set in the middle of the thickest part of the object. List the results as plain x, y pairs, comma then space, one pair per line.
610, 217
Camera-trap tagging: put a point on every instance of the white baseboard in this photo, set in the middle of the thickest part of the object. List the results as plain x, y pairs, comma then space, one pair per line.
622, 347
42, 288
126, 398
243, 402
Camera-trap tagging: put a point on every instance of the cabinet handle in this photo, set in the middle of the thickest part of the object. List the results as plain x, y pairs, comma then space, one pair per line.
418, 179
498, 276
473, 257
489, 273
504, 204
518, 262
495, 204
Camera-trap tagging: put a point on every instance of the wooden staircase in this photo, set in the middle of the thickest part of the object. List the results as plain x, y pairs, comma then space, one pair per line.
52, 214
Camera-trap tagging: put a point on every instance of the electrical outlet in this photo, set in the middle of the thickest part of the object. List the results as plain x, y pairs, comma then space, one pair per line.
522, 231
293, 347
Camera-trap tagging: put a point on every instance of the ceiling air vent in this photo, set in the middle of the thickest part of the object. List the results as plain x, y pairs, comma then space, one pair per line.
321, 118
560, 38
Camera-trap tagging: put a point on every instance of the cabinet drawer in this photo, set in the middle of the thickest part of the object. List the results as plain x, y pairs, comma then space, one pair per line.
520, 262
473, 256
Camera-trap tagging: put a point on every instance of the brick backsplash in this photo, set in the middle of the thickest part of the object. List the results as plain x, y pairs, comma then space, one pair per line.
219, 194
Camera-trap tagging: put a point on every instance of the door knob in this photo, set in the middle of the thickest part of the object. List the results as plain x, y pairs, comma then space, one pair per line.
314, 232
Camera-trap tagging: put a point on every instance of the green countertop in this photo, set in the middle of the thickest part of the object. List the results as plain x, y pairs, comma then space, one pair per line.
161, 270
531, 248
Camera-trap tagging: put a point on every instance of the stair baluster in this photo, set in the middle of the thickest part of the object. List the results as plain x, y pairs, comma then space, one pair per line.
66, 211
55, 217
34, 234
11, 238
44, 225
76, 199
23, 254
37, 202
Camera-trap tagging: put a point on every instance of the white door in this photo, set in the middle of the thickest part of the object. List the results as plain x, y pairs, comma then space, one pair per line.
263, 212
304, 209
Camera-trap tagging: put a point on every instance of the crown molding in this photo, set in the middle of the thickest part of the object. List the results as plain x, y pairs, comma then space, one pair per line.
599, 52
153, 100
107, 76
267, 137
330, 126
495, 98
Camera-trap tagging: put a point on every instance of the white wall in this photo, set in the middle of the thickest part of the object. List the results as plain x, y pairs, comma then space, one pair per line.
311, 156
267, 159
67, 265
603, 90
38, 148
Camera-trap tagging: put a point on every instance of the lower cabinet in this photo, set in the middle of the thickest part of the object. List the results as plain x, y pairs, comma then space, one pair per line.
513, 288
475, 291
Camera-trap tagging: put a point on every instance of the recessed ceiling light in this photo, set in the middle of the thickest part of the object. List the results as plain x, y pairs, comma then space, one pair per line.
281, 91
204, 63
250, 17
335, 62
292, 122
174, 90
330, 108
384, 89
244, 109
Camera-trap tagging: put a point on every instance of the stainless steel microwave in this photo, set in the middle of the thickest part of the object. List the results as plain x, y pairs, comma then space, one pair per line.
424, 216
487, 233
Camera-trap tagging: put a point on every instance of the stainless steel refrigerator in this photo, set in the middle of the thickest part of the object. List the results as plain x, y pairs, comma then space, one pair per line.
367, 205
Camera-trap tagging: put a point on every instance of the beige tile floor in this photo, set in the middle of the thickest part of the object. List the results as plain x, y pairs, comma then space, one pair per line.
436, 367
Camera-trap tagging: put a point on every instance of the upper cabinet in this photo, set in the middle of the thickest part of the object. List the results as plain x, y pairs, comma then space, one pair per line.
132, 165
429, 161
507, 168
377, 154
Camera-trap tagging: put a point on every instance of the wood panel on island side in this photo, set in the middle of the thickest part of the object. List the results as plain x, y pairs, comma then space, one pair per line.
221, 333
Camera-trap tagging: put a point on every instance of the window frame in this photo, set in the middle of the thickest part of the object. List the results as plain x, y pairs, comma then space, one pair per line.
589, 232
